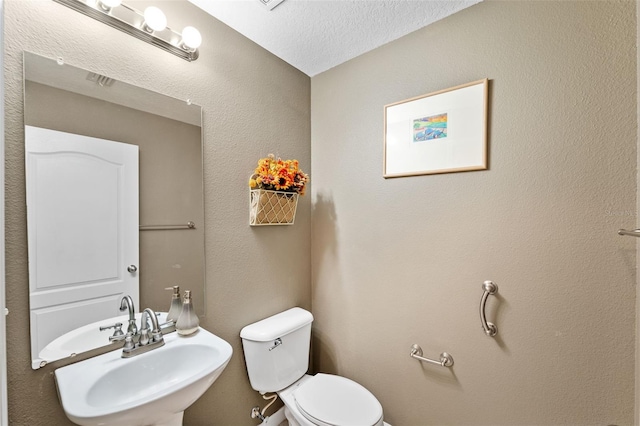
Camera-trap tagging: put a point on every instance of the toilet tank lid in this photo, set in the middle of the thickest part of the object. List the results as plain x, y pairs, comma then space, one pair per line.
277, 325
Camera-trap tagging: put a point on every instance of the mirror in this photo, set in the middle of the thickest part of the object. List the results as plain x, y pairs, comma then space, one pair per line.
69, 205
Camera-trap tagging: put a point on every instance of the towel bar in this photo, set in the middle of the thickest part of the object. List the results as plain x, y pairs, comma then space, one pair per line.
446, 360
634, 233
188, 225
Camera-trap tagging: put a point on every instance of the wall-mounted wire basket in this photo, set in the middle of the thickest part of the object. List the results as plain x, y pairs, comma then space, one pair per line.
272, 207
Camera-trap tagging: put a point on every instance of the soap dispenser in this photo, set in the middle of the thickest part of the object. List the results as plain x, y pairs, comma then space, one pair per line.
188, 321
176, 304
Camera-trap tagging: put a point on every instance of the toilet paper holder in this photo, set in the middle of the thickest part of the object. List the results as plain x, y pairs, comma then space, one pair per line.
446, 360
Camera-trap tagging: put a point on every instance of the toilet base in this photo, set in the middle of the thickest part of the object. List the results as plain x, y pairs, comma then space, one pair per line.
276, 419
290, 418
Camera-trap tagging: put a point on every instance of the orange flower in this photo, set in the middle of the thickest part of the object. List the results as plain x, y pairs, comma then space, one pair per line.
279, 175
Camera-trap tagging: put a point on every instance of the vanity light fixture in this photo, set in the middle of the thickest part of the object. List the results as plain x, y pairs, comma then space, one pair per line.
154, 20
191, 39
107, 5
149, 26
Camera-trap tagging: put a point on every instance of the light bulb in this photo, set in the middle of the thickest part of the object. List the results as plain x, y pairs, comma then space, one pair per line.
107, 5
191, 38
154, 19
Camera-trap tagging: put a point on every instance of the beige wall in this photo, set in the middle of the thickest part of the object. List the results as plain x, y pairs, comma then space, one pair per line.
170, 182
637, 365
251, 272
401, 261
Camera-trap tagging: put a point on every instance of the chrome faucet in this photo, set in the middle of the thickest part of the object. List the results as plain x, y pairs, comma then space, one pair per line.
147, 340
127, 303
156, 334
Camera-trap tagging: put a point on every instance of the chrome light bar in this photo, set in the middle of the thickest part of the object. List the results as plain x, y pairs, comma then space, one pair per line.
131, 21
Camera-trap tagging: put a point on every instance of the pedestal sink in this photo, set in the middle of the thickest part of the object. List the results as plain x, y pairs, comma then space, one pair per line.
153, 388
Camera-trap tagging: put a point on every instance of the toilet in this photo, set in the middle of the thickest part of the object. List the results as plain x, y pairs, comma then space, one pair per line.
276, 352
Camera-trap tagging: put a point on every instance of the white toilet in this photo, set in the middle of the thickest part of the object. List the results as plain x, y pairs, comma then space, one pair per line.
276, 351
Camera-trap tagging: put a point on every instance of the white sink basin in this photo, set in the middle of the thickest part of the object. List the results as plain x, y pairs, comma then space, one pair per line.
152, 388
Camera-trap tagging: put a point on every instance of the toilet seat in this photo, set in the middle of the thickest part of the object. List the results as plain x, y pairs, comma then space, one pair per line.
328, 400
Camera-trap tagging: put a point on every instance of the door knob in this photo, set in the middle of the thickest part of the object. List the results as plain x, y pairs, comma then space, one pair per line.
132, 268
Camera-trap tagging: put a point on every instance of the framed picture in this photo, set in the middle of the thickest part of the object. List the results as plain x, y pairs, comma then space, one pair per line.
442, 132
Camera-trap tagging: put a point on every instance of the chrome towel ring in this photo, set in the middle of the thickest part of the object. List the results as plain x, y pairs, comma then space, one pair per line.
489, 287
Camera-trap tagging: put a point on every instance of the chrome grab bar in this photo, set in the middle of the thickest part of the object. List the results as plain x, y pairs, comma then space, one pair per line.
634, 233
446, 360
489, 287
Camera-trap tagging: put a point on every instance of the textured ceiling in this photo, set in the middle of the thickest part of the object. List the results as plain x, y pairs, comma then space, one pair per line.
315, 35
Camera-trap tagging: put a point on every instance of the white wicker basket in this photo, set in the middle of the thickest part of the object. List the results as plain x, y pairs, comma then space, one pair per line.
272, 207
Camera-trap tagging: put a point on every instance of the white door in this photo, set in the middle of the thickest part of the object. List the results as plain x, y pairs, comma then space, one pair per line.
82, 220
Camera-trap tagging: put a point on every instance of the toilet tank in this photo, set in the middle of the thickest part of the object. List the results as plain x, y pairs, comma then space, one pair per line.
276, 349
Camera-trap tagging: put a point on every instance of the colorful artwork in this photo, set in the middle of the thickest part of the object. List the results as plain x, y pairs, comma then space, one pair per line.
428, 128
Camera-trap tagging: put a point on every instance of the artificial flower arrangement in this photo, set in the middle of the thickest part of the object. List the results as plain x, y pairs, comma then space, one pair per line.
279, 175
275, 186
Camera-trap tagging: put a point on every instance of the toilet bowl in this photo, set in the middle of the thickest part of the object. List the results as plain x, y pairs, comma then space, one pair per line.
328, 400
276, 352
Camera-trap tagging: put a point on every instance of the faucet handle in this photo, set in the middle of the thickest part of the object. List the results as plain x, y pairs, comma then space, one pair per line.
157, 336
129, 344
117, 329
120, 337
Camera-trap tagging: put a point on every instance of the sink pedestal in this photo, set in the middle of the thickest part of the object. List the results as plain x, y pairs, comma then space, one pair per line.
174, 420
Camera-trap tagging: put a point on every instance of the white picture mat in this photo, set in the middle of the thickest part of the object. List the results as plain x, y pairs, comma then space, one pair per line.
464, 147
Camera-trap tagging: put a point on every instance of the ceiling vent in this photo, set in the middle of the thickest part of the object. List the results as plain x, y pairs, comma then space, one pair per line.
271, 4
101, 80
